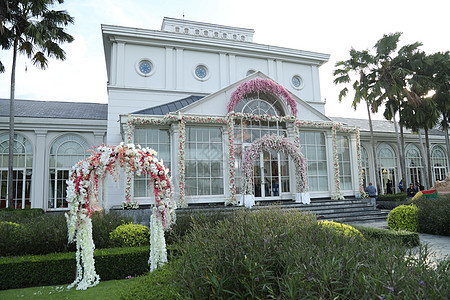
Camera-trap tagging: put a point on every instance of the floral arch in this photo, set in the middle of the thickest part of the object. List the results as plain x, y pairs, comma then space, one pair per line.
262, 85
82, 197
280, 144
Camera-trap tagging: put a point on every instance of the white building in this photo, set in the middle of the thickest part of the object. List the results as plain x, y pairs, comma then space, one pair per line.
170, 89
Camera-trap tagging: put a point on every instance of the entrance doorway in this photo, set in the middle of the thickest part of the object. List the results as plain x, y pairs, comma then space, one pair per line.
270, 175
388, 184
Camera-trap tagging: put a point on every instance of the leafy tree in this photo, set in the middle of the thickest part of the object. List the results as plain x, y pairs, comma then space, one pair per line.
391, 72
34, 29
359, 65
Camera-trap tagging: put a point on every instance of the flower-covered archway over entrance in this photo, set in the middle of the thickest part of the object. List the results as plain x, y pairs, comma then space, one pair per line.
279, 144
262, 85
82, 196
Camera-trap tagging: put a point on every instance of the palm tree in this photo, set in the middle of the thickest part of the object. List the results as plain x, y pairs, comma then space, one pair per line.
359, 64
439, 65
33, 29
391, 72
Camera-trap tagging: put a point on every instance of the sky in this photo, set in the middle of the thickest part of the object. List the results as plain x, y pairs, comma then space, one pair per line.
325, 26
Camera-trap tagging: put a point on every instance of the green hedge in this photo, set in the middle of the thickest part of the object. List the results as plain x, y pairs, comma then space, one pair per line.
60, 268
392, 197
434, 215
407, 238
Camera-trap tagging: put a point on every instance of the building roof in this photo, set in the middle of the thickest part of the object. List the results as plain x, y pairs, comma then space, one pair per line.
378, 125
55, 109
166, 108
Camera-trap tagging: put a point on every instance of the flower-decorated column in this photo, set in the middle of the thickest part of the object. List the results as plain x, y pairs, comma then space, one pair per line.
231, 160
181, 163
337, 195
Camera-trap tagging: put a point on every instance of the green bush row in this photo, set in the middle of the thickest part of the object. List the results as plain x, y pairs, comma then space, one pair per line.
426, 215
392, 197
402, 237
40, 233
60, 268
287, 255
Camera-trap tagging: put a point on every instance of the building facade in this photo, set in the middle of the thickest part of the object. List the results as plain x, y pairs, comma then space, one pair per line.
201, 95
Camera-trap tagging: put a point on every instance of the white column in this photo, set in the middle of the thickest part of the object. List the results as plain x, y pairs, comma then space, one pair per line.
180, 69
223, 69
279, 77
120, 58
232, 67
113, 67
271, 67
169, 68
315, 83
40, 171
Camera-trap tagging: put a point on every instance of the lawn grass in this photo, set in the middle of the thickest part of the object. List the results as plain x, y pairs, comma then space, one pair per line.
104, 290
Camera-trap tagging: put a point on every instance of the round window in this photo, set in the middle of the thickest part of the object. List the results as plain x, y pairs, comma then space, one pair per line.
145, 67
297, 82
201, 72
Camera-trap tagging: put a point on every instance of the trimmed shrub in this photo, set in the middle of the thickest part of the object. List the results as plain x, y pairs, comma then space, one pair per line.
19, 215
60, 268
130, 235
402, 237
404, 217
340, 228
434, 215
392, 197
159, 284
47, 233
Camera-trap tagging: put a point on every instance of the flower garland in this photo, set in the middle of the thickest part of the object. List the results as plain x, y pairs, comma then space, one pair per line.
338, 195
261, 85
229, 121
82, 197
279, 144
181, 157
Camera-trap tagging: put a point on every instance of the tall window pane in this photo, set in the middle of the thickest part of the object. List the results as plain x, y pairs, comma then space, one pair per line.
157, 139
414, 164
439, 163
314, 149
204, 161
22, 171
345, 174
65, 152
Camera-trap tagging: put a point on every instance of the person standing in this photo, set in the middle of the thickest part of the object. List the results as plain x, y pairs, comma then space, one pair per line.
389, 187
400, 186
371, 190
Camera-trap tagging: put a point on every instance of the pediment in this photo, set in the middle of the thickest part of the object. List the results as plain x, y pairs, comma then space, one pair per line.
216, 103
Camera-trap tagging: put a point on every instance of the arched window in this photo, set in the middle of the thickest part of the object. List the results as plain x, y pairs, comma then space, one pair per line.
365, 166
65, 152
439, 163
414, 164
271, 170
268, 105
387, 168
22, 170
